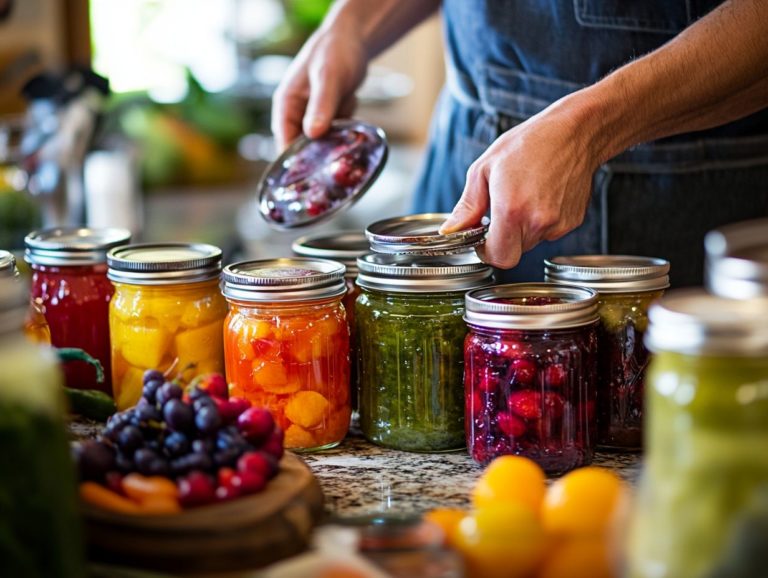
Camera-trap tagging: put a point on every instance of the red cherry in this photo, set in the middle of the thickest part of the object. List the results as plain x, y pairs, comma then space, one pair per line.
488, 380
316, 208
227, 411
555, 375
274, 444
525, 403
196, 489
239, 404
523, 371
249, 482
215, 385
512, 349
475, 405
258, 462
347, 170
225, 493
256, 424
224, 476
510, 424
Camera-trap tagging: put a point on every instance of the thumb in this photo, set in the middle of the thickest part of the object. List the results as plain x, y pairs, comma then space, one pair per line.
324, 101
472, 205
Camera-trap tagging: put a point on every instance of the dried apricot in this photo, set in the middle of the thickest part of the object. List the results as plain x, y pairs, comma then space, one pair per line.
307, 409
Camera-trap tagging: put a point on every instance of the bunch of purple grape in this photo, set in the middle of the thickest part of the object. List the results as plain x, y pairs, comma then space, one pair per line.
186, 434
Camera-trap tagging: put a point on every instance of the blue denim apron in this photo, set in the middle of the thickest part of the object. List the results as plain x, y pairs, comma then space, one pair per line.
509, 59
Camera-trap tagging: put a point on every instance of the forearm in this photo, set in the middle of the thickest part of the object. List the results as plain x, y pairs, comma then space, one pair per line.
379, 23
714, 72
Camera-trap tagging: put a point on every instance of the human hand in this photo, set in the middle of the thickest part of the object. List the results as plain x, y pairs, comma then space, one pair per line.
320, 84
537, 180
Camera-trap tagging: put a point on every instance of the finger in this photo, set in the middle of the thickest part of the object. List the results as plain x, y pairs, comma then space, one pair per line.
348, 106
287, 113
324, 101
504, 244
473, 203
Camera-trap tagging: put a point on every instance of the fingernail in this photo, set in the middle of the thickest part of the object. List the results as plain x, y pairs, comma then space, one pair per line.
449, 226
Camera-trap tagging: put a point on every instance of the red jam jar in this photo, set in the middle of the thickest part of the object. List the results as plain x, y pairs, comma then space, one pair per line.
627, 285
344, 247
69, 281
529, 373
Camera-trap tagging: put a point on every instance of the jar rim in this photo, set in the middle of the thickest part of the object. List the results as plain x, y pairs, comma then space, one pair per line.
498, 307
7, 264
694, 322
609, 273
737, 259
72, 245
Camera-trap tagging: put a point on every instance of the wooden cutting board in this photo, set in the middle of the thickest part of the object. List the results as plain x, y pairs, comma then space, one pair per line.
248, 532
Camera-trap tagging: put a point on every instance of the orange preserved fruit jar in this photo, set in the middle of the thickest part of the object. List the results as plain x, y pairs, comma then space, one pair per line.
286, 346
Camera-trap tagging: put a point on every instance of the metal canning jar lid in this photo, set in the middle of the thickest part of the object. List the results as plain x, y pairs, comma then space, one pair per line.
531, 306
418, 235
737, 260
164, 263
609, 273
7, 264
343, 246
422, 273
693, 322
286, 280
64, 246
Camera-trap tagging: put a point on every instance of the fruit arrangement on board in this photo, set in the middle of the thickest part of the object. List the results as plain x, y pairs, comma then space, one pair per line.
183, 445
520, 528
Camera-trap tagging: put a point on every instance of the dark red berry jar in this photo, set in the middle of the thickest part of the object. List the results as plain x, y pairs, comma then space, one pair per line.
69, 281
529, 373
627, 285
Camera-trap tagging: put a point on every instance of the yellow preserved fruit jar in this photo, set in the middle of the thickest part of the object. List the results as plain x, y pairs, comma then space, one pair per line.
167, 312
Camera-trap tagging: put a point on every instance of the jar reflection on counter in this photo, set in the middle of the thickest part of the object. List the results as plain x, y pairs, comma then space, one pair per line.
69, 282
344, 247
702, 508
627, 285
167, 312
411, 335
530, 361
286, 344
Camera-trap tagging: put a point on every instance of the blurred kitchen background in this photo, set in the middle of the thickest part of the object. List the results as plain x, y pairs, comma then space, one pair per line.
154, 115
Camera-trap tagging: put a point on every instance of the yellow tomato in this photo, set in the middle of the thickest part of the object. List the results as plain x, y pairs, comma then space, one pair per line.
447, 519
505, 540
511, 479
583, 501
578, 558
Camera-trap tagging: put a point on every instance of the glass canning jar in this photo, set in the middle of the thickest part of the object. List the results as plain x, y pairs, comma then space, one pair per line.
286, 343
411, 335
167, 312
702, 508
626, 285
69, 282
737, 260
344, 247
530, 360
35, 326
40, 523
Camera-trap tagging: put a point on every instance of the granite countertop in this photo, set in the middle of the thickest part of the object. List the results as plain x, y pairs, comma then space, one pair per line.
359, 478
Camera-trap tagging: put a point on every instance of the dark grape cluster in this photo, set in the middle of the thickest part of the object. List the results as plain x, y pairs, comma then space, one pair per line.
216, 447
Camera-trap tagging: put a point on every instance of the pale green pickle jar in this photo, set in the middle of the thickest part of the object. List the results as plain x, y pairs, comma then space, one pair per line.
702, 509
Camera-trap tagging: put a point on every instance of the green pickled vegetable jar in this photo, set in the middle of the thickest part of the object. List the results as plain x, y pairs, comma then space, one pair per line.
411, 332
702, 509
39, 525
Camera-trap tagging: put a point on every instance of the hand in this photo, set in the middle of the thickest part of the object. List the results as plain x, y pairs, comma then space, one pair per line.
537, 180
319, 85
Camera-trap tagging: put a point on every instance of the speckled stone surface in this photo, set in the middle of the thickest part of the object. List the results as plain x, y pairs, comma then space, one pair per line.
359, 478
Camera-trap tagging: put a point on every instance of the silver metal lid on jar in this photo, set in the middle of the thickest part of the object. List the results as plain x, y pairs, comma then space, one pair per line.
64, 246
164, 263
694, 322
287, 280
609, 273
419, 235
343, 246
7, 264
532, 306
422, 273
737, 260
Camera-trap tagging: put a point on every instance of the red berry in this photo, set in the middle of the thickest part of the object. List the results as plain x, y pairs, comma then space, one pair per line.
512, 349
196, 489
274, 444
215, 385
347, 170
510, 424
488, 380
239, 405
523, 371
259, 462
227, 410
316, 208
256, 424
224, 476
555, 375
224, 493
526, 404
249, 482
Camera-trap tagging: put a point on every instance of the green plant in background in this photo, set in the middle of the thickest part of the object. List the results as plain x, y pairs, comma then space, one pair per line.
18, 216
